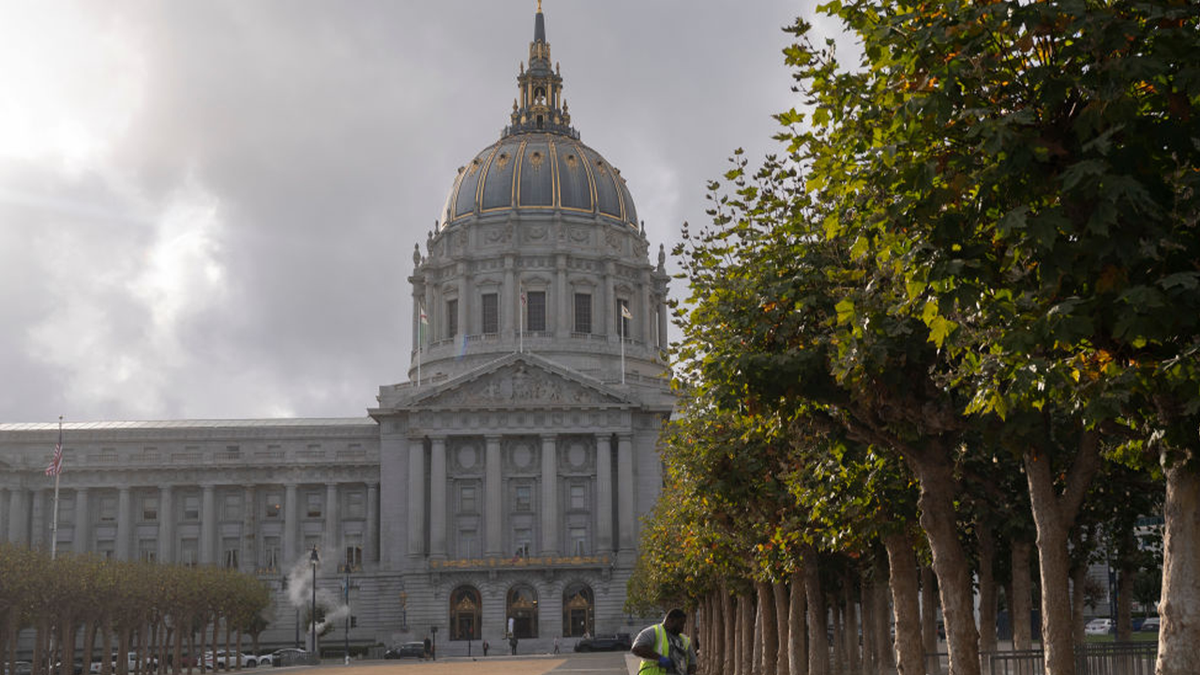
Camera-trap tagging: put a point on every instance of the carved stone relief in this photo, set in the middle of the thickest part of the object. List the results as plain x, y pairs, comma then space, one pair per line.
519, 384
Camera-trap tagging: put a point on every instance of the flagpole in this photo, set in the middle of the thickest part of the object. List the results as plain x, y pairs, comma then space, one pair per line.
54, 522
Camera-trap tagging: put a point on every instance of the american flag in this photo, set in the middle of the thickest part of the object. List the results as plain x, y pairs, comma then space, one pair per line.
56, 462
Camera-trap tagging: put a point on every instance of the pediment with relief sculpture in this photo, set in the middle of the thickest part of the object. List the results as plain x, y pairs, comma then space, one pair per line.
520, 382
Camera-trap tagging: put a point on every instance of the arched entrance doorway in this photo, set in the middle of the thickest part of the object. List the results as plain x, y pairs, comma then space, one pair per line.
522, 611
578, 603
466, 612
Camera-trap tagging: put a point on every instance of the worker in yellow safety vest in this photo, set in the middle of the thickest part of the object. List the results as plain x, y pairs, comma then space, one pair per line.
664, 648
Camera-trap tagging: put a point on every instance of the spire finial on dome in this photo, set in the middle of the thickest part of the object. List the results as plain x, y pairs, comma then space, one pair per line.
540, 106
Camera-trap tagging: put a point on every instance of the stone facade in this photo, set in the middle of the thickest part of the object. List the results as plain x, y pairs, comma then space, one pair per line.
499, 489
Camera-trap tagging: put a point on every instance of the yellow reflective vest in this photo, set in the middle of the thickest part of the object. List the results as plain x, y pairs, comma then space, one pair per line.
663, 647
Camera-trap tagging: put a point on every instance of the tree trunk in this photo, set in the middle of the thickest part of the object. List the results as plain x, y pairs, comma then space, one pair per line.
38, 659
770, 629
106, 653
729, 656
66, 641
885, 648
852, 633
903, 563
1054, 515
191, 640
818, 642
869, 651
938, 518
839, 642
760, 633
1020, 604
797, 653
89, 643
987, 586
745, 635
1179, 608
929, 632
779, 593
123, 651
1125, 601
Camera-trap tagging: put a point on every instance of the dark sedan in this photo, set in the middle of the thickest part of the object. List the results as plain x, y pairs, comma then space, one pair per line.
413, 649
605, 643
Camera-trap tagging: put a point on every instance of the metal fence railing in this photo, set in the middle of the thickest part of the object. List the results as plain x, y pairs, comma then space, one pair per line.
1097, 658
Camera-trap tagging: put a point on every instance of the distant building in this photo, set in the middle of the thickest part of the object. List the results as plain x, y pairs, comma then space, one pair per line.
501, 486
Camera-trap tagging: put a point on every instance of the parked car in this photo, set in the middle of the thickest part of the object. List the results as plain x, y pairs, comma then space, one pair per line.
1150, 625
150, 666
227, 662
291, 656
265, 659
413, 649
1102, 626
605, 643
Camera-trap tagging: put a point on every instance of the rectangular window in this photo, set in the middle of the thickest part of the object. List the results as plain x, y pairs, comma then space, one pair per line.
451, 318
106, 549
66, 510
468, 546
583, 313
535, 311
578, 536
150, 508
524, 498
523, 539
466, 499
314, 502
229, 553
191, 507
623, 322
231, 507
108, 509
271, 553
274, 504
188, 552
354, 556
490, 318
147, 550
578, 498
355, 504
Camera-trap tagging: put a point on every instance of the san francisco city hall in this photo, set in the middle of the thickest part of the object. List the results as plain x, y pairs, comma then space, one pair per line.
502, 485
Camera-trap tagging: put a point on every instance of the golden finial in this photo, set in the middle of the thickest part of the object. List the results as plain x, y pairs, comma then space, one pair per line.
539, 6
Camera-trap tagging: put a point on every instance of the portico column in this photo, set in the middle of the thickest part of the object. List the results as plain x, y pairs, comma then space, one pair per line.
333, 538
604, 515
662, 323
494, 495
463, 328
549, 496
4, 514
416, 497
39, 521
124, 523
208, 525
166, 526
291, 530
562, 319
371, 537
608, 304
249, 555
437, 498
625, 490
646, 330
508, 293
18, 519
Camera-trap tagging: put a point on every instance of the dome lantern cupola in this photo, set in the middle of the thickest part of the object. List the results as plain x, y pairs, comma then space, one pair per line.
540, 105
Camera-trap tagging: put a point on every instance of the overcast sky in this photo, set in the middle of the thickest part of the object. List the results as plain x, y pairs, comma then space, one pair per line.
208, 209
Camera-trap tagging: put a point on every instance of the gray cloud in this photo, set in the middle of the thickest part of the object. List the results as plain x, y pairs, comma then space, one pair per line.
234, 239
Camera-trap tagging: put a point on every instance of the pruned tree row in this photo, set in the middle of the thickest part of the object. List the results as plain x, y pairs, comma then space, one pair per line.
950, 331
129, 617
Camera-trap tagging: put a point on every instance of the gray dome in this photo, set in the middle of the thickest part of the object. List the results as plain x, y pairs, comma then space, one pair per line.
529, 172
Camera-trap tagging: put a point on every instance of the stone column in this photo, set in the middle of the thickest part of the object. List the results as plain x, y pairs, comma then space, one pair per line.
124, 523
208, 525
663, 341
608, 304
562, 320
493, 490
550, 524
166, 526
333, 521
291, 529
604, 494
418, 298
508, 295
437, 322
39, 521
463, 316
371, 536
437, 498
625, 491
646, 330
18, 518
3, 514
249, 554
416, 497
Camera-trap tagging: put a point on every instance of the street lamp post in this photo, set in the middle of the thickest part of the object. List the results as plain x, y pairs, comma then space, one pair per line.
346, 629
314, 560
